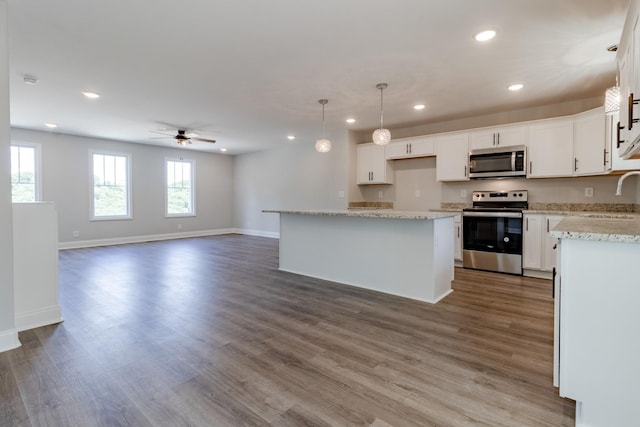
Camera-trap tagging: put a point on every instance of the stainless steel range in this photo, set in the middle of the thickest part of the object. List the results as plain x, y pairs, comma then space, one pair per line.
492, 231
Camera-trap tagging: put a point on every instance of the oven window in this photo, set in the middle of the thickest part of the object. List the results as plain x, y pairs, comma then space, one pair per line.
492, 234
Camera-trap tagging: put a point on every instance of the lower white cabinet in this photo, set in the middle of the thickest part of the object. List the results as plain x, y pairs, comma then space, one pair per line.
538, 252
373, 167
596, 331
457, 237
452, 158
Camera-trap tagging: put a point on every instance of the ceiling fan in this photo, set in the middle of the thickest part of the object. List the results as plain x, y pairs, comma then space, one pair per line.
183, 136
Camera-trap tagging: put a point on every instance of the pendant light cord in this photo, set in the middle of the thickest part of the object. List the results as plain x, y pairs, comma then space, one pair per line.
381, 109
323, 121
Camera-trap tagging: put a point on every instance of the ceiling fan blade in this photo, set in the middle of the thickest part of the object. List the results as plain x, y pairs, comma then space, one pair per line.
168, 133
213, 141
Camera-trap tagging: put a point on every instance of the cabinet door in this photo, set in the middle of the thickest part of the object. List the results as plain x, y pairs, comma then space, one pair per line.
532, 241
634, 80
589, 143
457, 237
422, 147
624, 66
411, 147
507, 137
617, 163
548, 243
483, 139
452, 157
372, 165
551, 149
397, 150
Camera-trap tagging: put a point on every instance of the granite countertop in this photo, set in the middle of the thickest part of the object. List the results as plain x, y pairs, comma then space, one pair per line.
605, 229
374, 213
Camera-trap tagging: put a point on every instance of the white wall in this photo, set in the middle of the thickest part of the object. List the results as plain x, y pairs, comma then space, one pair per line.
8, 333
292, 177
66, 181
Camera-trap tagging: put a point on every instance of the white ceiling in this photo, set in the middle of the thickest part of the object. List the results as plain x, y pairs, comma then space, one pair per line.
250, 72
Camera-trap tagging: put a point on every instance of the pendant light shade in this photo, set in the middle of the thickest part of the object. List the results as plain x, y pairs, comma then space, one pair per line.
323, 145
612, 100
381, 136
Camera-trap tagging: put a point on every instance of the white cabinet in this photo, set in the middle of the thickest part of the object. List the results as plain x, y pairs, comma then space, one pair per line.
498, 137
550, 149
532, 241
452, 157
457, 237
596, 359
538, 252
590, 154
373, 167
407, 148
614, 161
629, 69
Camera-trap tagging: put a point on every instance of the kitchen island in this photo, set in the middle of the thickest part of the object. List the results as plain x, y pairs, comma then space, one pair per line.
596, 341
409, 254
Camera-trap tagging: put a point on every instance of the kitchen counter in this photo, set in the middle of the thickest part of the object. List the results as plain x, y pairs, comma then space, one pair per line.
604, 228
369, 213
409, 254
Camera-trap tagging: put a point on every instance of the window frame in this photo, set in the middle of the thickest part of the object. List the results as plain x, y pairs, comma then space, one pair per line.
129, 214
37, 167
192, 162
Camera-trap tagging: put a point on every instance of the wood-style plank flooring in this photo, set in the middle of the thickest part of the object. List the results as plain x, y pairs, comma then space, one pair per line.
208, 332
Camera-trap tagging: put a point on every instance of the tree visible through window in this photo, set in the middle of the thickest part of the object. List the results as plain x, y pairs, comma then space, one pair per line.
110, 186
23, 174
179, 188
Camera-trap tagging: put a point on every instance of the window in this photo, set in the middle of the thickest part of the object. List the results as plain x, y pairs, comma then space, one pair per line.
111, 188
25, 173
180, 188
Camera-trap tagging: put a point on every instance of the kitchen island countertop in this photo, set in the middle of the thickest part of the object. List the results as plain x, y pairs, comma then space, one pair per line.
607, 229
369, 213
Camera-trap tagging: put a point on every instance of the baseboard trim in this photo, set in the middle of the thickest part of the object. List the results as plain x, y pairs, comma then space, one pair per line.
9, 340
37, 318
141, 239
259, 233
537, 274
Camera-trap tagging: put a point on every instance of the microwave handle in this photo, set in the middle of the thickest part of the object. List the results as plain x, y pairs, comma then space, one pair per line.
513, 161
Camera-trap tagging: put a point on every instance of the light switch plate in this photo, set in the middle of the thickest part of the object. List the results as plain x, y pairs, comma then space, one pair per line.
588, 191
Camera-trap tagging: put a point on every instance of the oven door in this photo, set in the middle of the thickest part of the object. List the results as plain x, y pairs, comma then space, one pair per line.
492, 232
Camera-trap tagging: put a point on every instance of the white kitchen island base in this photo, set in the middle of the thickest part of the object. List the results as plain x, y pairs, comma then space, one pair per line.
405, 254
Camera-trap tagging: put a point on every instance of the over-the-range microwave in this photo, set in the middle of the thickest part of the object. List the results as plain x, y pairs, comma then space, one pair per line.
499, 162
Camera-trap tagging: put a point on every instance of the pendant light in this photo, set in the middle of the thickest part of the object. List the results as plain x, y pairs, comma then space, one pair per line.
612, 100
323, 145
381, 136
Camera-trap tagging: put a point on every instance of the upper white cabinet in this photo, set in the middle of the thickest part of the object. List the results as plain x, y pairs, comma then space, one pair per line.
629, 69
589, 149
614, 161
406, 148
499, 137
452, 157
373, 167
550, 149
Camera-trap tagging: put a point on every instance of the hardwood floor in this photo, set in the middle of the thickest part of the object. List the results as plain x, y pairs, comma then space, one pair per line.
208, 332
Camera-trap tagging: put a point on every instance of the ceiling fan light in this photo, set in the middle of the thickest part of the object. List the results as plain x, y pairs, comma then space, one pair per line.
381, 136
323, 145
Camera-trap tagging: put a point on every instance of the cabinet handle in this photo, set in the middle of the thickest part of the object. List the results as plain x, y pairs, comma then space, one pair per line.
530, 167
632, 102
458, 232
465, 170
547, 225
406, 149
497, 138
494, 139
618, 140
605, 157
575, 164
410, 149
526, 224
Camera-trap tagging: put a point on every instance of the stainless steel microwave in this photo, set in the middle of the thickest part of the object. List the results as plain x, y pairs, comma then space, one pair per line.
498, 162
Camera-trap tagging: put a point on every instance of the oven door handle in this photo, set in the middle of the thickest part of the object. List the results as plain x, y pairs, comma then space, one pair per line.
493, 214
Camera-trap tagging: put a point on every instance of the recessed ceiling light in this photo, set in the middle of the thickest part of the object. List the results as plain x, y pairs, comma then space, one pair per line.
223, 149
291, 137
91, 95
30, 80
51, 125
419, 107
350, 120
484, 36
516, 86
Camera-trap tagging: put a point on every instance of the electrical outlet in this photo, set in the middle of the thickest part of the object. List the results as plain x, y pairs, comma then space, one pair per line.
380, 194
463, 194
179, 226
341, 194
417, 193
76, 234
588, 191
